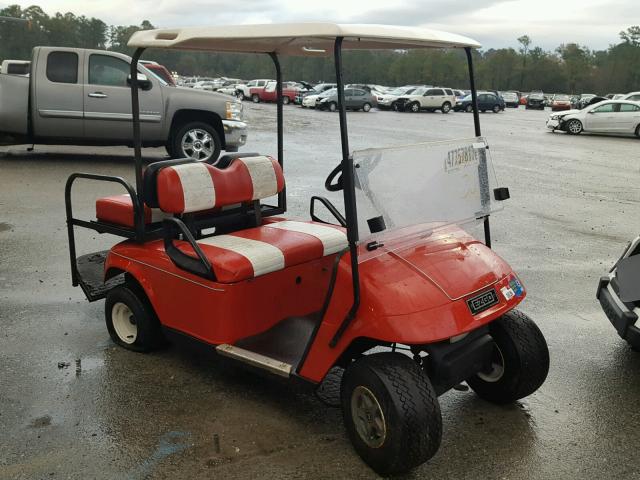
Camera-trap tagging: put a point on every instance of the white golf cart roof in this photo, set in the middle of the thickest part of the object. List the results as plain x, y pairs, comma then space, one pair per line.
300, 39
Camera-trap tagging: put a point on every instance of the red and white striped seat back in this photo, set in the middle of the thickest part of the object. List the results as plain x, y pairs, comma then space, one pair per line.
194, 187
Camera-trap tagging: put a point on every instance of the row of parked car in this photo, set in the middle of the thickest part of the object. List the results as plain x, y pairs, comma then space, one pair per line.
600, 115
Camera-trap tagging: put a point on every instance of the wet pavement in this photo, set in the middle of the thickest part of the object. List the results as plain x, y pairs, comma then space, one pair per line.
73, 405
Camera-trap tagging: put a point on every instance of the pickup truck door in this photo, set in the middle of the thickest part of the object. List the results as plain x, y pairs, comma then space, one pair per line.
58, 92
107, 101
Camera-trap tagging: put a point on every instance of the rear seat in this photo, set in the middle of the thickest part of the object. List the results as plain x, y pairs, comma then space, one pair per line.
118, 209
248, 253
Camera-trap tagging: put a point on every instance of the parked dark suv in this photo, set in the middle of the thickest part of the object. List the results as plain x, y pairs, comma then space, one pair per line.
535, 100
486, 101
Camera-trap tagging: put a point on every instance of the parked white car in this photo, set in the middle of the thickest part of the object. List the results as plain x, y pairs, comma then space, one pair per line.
430, 99
385, 100
611, 116
309, 101
633, 96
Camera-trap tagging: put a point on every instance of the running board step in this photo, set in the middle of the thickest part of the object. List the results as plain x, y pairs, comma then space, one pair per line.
255, 359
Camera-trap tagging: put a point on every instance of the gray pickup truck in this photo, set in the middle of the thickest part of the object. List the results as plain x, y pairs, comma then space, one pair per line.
76, 96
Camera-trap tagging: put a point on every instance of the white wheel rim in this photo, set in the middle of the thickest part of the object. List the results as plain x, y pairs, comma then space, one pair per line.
497, 368
415, 107
197, 144
368, 417
366, 107
124, 323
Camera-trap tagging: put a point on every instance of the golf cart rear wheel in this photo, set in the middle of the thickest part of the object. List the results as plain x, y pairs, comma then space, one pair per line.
391, 412
520, 362
131, 321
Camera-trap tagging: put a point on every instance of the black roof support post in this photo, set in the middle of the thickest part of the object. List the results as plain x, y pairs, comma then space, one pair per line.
349, 196
137, 145
282, 196
476, 124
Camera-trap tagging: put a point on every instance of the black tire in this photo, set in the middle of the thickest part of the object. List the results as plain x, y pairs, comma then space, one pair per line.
148, 333
574, 127
240, 95
286, 100
468, 108
255, 98
523, 352
366, 107
414, 107
638, 131
496, 109
409, 408
332, 107
395, 107
180, 132
446, 107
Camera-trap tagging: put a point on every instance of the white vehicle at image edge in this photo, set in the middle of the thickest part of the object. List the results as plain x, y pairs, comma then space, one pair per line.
611, 116
632, 96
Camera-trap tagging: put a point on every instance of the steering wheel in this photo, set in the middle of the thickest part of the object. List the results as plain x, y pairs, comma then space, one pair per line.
329, 182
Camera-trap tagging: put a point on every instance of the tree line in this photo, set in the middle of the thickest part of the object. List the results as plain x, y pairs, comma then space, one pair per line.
570, 68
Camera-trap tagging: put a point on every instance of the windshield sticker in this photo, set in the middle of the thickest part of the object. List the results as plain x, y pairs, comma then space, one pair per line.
461, 158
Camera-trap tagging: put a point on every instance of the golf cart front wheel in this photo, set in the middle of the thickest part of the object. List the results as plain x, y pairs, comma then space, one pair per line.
520, 361
391, 412
131, 320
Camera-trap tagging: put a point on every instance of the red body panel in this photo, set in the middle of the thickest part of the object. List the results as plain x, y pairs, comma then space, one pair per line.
266, 96
413, 291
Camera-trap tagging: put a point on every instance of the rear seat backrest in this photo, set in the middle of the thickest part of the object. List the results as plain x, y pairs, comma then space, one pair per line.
195, 187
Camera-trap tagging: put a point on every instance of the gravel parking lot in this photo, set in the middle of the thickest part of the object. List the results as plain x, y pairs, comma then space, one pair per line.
112, 413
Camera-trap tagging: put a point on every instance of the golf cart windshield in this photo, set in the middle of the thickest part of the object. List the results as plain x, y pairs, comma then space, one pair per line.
419, 188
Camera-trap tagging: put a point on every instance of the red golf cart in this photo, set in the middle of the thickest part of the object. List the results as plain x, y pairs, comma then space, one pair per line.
394, 292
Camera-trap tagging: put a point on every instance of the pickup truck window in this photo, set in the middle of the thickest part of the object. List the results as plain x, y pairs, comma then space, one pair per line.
62, 67
106, 70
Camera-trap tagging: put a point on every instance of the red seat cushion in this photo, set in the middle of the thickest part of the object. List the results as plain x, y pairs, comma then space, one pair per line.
273, 246
195, 187
118, 209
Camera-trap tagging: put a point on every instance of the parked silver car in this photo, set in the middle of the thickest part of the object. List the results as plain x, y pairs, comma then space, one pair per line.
355, 99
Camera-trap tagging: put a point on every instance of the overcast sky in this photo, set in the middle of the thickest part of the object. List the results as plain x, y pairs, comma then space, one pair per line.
494, 23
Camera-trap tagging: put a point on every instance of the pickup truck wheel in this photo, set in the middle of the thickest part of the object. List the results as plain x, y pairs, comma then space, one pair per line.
197, 140
286, 100
240, 95
255, 98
